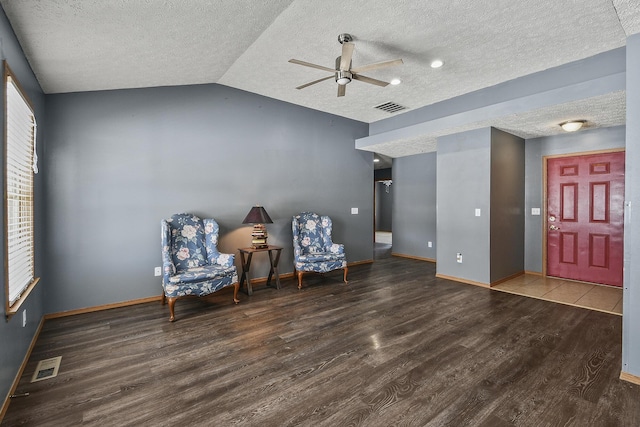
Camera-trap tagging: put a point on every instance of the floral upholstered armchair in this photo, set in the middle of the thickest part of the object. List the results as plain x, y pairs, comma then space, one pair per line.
191, 263
313, 250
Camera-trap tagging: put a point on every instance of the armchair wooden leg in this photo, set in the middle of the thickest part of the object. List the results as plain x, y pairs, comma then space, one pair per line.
172, 304
299, 279
236, 288
345, 275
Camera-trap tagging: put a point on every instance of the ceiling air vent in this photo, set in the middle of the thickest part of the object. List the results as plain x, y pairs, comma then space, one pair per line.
390, 107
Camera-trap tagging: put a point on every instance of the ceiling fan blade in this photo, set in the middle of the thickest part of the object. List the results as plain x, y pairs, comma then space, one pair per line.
369, 80
309, 64
314, 82
377, 65
347, 53
342, 90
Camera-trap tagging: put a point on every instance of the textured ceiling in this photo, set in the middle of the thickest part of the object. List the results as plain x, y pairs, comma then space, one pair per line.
600, 111
88, 45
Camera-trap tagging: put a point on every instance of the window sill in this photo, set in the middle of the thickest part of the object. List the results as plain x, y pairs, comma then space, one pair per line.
10, 311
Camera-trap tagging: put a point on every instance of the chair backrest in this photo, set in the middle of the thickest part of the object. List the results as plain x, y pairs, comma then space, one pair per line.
311, 233
187, 244
211, 231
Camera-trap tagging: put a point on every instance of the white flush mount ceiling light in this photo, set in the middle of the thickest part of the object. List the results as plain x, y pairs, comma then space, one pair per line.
376, 160
395, 82
437, 63
572, 125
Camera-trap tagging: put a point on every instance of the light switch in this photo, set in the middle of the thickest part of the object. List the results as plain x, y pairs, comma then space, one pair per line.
477, 212
354, 211
535, 211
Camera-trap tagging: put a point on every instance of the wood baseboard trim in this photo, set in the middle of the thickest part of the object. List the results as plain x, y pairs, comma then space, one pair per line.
16, 380
533, 273
468, 282
413, 257
366, 261
506, 279
260, 280
624, 376
102, 307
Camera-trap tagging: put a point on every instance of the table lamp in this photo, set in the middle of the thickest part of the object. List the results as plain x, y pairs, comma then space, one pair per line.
258, 217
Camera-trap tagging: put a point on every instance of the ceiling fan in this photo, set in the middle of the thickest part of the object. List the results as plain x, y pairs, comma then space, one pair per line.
343, 73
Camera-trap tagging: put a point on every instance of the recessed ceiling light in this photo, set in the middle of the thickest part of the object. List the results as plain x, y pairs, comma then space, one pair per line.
572, 125
376, 160
395, 82
437, 63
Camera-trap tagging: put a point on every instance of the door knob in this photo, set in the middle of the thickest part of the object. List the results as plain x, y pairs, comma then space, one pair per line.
553, 227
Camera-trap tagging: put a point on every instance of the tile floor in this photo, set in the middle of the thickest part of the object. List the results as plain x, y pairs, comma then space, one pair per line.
586, 295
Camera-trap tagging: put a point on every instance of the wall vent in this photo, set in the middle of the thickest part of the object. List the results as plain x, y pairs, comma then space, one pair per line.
390, 107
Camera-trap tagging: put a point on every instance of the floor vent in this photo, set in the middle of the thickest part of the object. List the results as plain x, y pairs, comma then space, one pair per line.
390, 107
47, 368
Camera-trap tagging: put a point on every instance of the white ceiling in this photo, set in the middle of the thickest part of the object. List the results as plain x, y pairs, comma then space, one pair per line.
88, 45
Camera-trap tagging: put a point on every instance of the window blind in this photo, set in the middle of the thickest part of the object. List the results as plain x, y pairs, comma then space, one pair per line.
20, 139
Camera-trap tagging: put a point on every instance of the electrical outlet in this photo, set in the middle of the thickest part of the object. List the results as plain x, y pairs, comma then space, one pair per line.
157, 271
354, 211
429, 244
24, 317
459, 257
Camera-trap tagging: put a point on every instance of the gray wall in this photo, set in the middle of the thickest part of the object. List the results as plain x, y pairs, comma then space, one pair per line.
119, 161
384, 205
413, 170
480, 169
582, 141
631, 293
15, 339
464, 185
414, 205
507, 205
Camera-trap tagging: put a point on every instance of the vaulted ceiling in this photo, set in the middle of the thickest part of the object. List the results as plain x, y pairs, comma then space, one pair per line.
92, 45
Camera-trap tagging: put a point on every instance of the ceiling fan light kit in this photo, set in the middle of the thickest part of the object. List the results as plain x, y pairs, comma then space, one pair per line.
343, 71
343, 77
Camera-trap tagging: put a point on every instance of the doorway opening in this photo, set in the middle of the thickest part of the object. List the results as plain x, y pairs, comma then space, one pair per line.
383, 207
383, 219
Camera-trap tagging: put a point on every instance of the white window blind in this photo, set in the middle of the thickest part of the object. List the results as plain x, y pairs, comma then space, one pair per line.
20, 140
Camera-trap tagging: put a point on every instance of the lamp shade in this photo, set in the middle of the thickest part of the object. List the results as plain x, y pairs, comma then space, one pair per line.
257, 215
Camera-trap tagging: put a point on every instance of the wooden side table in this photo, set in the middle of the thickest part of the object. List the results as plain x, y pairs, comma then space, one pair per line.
245, 258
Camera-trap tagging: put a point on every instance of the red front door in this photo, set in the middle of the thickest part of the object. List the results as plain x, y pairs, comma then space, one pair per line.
585, 206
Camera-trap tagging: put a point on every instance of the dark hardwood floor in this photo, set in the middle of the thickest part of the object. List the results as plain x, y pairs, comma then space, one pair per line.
395, 347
